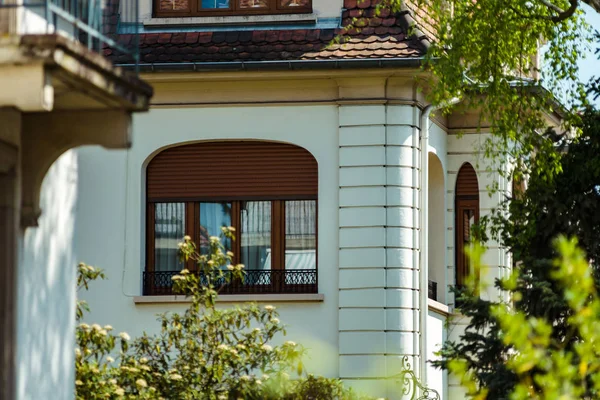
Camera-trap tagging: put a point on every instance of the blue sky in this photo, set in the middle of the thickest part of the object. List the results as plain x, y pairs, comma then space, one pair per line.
590, 66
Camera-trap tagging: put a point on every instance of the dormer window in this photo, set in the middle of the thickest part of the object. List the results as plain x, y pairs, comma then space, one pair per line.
207, 8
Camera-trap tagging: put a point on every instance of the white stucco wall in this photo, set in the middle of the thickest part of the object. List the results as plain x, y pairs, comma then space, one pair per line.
436, 335
111, 213
46, 290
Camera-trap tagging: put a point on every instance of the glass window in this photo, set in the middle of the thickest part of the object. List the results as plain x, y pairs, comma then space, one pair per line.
255, 234
249, 4
212, 4
169, 228
300, 234
294, 3
213, 216
174, 5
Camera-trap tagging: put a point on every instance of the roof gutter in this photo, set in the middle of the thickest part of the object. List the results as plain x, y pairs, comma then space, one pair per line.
272, 65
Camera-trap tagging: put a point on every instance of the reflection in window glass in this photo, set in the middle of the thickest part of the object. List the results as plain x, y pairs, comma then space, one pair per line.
169, 229
208, 4
294, 3
249, 4
255, 234
300, 234
174, 5
213, 216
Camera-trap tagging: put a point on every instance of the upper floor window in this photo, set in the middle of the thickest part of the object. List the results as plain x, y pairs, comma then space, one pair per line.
267, 191
466, 215
206, 8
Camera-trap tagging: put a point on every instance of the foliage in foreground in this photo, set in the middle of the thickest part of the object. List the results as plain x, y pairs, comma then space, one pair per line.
203, 353
544, 366
565, 204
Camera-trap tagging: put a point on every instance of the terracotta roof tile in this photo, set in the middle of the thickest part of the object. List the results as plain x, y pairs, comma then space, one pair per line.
380, 36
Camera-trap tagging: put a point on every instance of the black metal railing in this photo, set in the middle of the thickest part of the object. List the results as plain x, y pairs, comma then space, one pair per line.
258, 281
432, 290
97, 24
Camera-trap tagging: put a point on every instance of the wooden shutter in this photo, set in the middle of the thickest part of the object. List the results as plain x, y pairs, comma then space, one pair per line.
466, 206
466, 182
231, 170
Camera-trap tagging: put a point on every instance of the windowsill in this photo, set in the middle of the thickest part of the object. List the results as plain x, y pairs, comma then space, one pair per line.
438, 307
230, 20
237, 298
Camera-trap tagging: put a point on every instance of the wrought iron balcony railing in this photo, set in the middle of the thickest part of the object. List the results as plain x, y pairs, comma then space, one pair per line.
258, 281
94, 23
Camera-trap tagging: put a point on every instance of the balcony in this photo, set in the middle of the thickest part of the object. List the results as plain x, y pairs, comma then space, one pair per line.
279, 281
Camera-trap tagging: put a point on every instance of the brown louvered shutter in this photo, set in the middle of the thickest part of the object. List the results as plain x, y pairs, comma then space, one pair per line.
466, 209
231, 170
466, 182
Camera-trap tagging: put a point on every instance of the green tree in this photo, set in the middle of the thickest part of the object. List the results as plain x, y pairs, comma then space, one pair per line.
545, 366
566, 203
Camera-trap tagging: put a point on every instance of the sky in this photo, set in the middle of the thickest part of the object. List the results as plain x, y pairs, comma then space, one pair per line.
590, 65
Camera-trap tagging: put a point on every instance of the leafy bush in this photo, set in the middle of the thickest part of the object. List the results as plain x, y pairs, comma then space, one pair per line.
203, 353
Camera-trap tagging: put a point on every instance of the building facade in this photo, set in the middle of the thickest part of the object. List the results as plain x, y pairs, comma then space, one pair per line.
351, 201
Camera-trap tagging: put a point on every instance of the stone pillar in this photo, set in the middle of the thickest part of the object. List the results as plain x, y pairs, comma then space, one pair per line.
10, 122
402, 241
378, 300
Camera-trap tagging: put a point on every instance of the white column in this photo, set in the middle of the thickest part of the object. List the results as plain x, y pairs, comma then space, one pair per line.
378, 253
402, 247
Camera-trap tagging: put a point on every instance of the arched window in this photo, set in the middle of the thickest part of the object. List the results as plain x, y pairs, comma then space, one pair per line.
266, 191
466, 209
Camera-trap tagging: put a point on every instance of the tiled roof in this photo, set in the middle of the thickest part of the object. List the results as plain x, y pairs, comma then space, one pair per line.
371, 36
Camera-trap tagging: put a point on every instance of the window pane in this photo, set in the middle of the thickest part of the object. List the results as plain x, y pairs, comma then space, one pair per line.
300, 234
174, 5
255, 234
250, 4
169, 229
208, 4
294, 3
213, 216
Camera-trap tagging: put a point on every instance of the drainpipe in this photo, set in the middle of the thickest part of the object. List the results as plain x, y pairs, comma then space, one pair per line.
424, 234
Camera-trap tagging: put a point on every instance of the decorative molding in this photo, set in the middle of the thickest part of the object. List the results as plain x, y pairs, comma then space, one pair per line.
236, 298
45, 136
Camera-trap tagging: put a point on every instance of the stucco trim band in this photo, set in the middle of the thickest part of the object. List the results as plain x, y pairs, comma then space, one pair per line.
237, 298
438, 307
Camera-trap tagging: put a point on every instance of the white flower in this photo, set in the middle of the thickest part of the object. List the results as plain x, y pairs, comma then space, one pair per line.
230, 267
180, 245
245, 377
269, 308
184, 271
177, 278
110, 359
275, 320
77, 352
240, 266
96, 327
257, 330
112, 381
78, 382
230, 254
143, 360
266, 347
119, 392
258, 382
108, 327
124, 336
265, 377
240, 346
214, 239
187, 238
290, 343
176, 377
223, 347
102, 332
84, 326
141, 383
